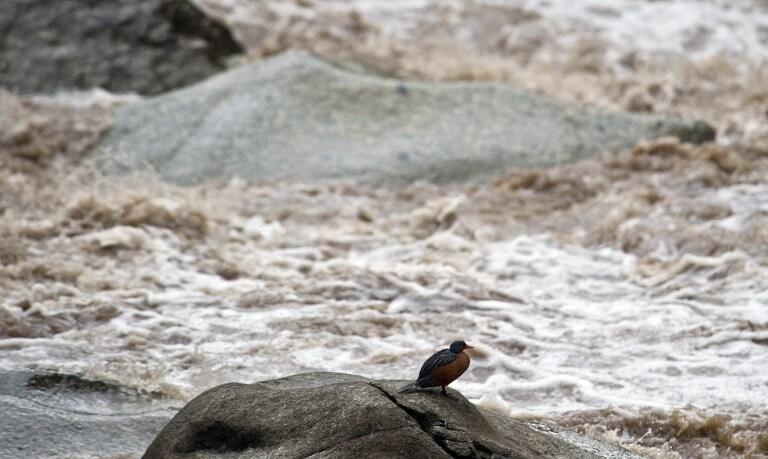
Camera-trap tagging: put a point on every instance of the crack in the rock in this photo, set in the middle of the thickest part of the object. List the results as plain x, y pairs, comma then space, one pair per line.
424, 422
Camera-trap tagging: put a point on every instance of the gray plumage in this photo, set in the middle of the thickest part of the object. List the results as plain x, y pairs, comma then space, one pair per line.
437, 360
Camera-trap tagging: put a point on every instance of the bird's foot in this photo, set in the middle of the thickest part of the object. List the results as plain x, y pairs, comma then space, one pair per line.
448, 394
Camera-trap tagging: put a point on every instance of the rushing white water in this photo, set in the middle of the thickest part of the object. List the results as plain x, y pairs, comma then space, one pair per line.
559, 327
176, 290
694, 28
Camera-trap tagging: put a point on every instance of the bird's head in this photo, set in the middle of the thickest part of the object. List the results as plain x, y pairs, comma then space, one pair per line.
459, 346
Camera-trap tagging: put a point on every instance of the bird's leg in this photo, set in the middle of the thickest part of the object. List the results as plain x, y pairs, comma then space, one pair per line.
445, 392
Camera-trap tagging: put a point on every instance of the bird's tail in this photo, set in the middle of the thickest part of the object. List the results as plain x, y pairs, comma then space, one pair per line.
409, 387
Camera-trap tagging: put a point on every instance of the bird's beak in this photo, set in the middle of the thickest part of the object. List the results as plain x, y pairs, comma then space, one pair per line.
468, 347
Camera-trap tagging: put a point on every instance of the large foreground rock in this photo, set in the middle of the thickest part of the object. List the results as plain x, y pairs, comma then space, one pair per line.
57, 415
144, 46
298, 117
331, 415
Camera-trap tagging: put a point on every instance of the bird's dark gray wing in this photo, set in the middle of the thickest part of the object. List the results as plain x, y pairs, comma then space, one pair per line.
437, 360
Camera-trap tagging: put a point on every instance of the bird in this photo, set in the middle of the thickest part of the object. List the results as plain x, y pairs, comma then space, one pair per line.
442, 368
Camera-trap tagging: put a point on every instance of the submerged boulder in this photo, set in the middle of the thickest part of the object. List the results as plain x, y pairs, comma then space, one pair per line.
143, 46
332, 415
63, 415
298, 117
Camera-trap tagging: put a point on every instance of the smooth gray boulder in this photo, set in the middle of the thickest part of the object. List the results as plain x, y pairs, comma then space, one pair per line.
298, 117
332, 415
60, 415
143, 46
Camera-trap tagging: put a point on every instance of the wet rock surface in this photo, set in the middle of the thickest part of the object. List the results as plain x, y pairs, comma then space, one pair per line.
143, 46
295, 116
332, 415
61, 415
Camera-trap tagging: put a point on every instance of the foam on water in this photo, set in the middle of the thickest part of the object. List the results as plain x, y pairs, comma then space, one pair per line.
572, 327
183, 289
695, 28
604, 288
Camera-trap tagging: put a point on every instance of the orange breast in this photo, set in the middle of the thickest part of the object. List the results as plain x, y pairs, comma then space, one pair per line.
448, 373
